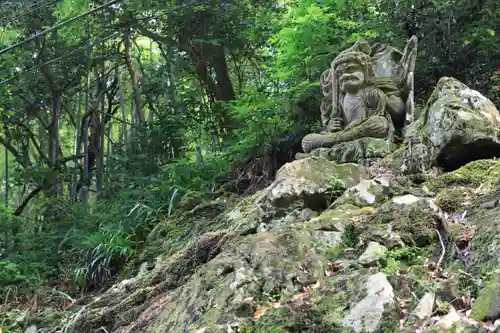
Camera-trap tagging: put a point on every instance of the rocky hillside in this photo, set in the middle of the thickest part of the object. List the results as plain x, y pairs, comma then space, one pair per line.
328, 248
335, 247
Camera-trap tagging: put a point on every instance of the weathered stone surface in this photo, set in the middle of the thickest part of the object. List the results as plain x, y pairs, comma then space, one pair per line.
31, 329
406, 199
373, 254
337, 219
458, 125
321, 172
367, 314
448, 320
314, 180
425, 307
368, 192
487, 304
304, 271
364, 151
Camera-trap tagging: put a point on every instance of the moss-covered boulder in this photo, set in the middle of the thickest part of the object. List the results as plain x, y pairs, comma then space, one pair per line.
487, 304
455, 199
314, 180
377, 190
480, 173
364, 151
407, 218
458, 125
368, 192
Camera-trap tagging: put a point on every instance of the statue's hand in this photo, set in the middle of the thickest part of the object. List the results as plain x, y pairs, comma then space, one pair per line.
334, 125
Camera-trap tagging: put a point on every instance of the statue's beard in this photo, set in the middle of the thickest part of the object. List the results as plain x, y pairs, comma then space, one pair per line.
351, 82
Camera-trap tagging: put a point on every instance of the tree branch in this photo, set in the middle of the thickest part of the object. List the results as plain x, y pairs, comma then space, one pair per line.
19, 210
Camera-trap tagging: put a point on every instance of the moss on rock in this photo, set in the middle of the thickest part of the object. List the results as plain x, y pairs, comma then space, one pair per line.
474, 174
414, 223
487, 304
452, 199
300, 272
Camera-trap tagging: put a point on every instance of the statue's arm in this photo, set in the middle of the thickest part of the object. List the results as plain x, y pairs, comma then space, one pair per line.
326, 110
376, 102
336, 121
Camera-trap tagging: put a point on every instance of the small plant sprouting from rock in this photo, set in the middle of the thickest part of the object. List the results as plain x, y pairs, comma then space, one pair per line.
403, 258
350, 237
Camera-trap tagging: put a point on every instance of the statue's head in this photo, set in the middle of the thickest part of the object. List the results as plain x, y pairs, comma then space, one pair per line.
352, 69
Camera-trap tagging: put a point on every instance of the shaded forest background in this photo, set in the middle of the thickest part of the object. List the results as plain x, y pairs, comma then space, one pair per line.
132, 112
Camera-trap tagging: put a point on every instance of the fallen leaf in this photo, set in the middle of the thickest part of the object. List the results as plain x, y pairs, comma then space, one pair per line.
256, 315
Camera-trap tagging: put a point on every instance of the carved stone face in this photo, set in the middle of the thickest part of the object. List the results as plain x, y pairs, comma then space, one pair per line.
351, 76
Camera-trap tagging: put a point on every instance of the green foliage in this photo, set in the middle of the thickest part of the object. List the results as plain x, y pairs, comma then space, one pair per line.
350, 237
313, 34
456, 38
403, 258
270, 55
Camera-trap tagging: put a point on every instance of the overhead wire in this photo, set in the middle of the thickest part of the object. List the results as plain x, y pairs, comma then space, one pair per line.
27, 12
92, 11
57, 26
83, 48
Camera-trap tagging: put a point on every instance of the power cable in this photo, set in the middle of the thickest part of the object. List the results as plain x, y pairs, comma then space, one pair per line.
29, 11
57, 26
166, 12
83, 48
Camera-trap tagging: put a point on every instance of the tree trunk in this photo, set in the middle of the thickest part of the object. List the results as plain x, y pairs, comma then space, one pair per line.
133, 75
85, 181
54, 188
123, 131
78, 144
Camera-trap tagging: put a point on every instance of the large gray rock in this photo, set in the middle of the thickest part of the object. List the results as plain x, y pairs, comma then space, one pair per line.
458, 125
423, 311
368, 192
368, 313
314, 180
373, 254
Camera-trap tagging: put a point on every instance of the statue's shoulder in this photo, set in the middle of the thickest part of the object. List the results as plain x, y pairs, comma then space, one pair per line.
386, 85
372, 93
374, 97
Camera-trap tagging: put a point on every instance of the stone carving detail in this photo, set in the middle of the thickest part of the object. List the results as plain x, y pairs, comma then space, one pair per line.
368, 92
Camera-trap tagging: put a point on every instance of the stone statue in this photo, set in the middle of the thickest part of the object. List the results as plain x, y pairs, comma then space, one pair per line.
368, 92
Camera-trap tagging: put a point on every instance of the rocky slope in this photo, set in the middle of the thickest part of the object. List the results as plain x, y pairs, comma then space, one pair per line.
334, 247
328, 248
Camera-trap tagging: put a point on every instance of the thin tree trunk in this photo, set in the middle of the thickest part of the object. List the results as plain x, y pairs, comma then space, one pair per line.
133, 75
109, 151
100, 152
57, 139
123, 131
85, 139
78, 143
131, 140
6, 204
